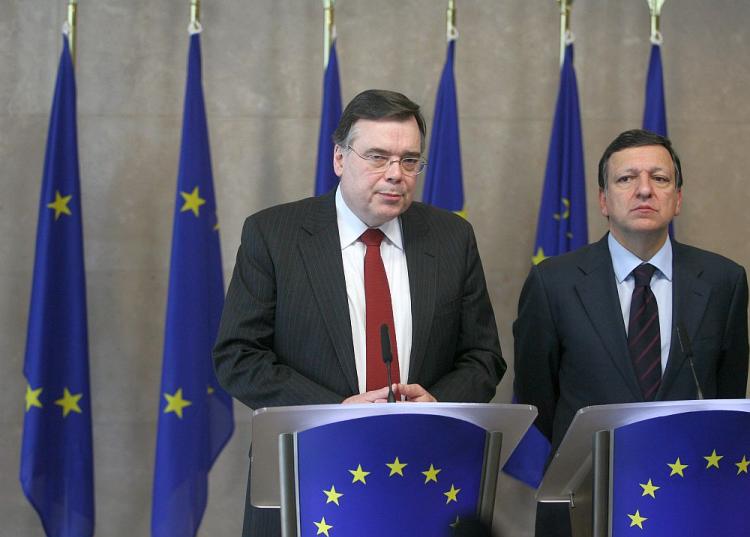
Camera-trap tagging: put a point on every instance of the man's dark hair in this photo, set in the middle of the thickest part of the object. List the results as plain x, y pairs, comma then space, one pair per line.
638, 138
377, 104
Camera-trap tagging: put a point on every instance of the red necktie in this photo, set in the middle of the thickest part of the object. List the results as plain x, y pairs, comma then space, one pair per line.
378, 311
644, 338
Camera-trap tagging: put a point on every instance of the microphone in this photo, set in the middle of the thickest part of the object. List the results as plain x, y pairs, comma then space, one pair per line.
687, 351
385, 346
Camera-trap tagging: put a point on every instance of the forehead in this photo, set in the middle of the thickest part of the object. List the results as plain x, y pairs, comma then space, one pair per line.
385, 133
647, 157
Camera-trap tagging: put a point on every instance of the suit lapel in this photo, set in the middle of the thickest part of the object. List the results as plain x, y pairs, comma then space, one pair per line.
690, 297
420, 249
598, 294
320, 249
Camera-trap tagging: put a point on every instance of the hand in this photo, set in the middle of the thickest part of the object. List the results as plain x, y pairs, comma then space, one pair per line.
375, 396
414, 393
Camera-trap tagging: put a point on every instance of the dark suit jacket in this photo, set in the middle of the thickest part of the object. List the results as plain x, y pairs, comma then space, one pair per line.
571, 346
285, 334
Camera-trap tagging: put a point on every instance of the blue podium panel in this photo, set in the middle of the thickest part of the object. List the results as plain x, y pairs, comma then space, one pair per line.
407, 474
684, 474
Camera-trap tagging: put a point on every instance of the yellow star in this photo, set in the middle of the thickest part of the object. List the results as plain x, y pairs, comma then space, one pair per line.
175, 403
452, 494
637, 519
193, 201
431, 474
677, 468
323, 527
742, 465
69, 402
32, 398
60, 205
713, 460
359, 474
462, 213
454, 524
397, 467
649, 489
539, 257
333, 496
210, 390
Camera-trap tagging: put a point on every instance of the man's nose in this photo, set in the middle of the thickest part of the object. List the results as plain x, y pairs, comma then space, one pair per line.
394, 173
644, 186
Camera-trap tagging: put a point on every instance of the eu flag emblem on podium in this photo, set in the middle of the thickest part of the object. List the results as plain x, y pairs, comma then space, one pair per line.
685, 474
389, 475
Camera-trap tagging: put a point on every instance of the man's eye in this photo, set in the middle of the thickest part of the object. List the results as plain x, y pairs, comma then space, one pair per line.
377, 159
660, 179
409, 163
624, 179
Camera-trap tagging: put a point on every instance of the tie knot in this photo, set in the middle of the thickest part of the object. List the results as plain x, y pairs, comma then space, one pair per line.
643, 274
372, 237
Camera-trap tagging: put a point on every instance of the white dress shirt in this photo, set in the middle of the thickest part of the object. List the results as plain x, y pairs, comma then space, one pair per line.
623, 262
394, 260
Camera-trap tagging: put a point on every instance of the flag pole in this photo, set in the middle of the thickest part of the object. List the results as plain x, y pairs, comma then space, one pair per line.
195, 12
565, 8
328, 29
450, 19
654, 6
72, 21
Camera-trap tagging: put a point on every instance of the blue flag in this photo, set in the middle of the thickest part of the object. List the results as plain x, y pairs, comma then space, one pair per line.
685, 474
421, 478
443, 185
57, 473
325, 178
195, 414
655, 108
562, 227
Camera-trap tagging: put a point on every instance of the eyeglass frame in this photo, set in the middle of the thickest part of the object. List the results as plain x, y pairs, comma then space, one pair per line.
369, 159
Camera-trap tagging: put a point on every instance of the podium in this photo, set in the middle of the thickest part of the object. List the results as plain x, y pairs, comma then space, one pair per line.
604, 472
286, 470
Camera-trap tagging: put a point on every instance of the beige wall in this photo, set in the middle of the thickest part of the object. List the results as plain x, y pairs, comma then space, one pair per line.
262, 78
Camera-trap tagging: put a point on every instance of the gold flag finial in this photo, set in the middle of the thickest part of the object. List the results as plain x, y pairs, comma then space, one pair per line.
565, 9
450, 21
195, 12
72, 21
654, 7
329, 29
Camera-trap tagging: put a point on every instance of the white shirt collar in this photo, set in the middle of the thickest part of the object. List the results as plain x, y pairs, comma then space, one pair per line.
624, 261
351, 227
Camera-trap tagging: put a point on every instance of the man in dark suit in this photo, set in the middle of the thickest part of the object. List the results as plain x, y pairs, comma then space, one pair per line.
293, 329
578, 341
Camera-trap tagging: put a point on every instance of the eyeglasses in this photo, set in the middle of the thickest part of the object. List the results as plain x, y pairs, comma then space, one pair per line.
410, 166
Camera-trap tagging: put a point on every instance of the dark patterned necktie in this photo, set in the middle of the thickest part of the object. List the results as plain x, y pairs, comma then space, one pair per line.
644, 339
378, 311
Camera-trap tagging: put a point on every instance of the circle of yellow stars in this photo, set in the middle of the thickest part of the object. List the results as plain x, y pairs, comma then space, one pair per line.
359, 475
677, 468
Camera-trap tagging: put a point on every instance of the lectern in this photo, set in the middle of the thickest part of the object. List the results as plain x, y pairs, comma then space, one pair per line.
366, 469
654, 468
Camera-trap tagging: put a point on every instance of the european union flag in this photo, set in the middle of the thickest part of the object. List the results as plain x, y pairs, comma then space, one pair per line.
325, 178
685, 474
562, 227
57, 473
655, 109
195, 414
396, 474
443, 185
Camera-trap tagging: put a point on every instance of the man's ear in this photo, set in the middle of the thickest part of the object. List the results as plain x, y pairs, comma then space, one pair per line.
603, 202
338, 160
